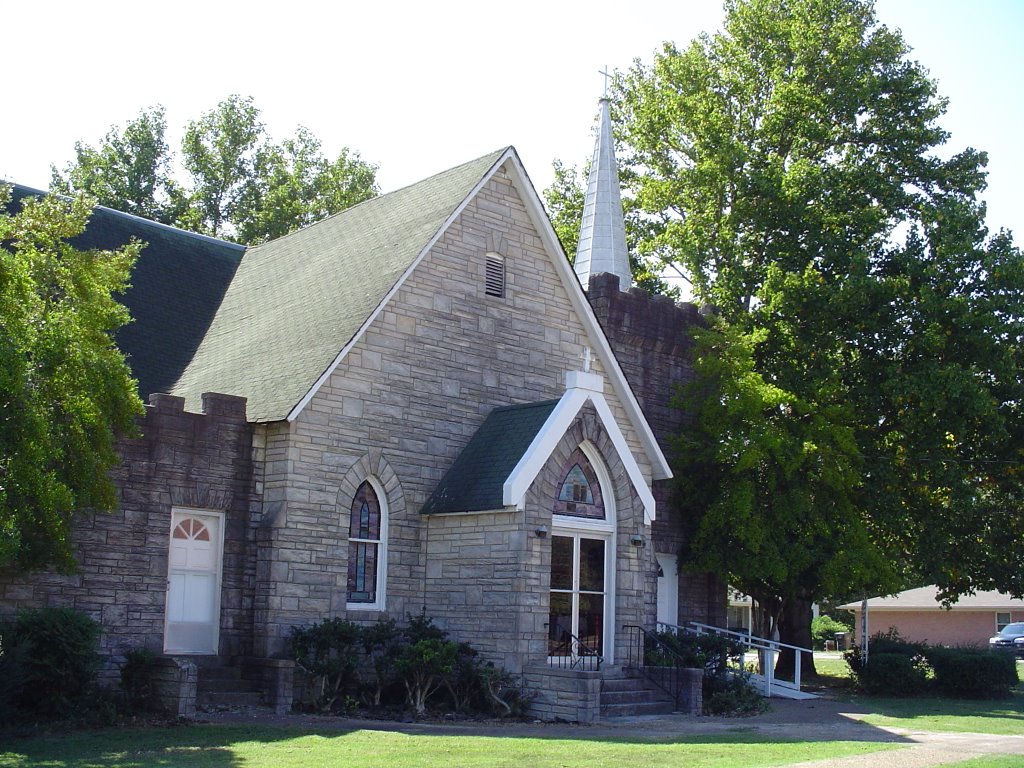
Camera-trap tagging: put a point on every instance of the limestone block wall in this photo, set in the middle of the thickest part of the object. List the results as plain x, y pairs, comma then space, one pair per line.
651, 340
479, 572
408, 396
181, 459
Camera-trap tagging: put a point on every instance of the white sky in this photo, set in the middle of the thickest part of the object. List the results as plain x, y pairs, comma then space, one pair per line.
421, 86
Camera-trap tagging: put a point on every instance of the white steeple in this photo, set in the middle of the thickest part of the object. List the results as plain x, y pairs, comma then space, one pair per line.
602, 245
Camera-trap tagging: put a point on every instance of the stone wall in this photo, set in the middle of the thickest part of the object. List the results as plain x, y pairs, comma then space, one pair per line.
180, 460
563, 694
650, 336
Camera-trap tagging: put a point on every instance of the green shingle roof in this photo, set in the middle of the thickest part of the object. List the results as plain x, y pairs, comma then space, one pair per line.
295, 303
176, 286
475, 481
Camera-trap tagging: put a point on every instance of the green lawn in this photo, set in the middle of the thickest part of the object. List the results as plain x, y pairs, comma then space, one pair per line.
216, 746
1000, 717
993, 761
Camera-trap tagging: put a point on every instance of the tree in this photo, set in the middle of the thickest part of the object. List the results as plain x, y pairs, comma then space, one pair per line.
65, 389
242, 185
219, 152
294, 185
129, 171
859, 397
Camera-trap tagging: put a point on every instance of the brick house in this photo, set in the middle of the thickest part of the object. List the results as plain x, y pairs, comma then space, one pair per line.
409, 406
918, 615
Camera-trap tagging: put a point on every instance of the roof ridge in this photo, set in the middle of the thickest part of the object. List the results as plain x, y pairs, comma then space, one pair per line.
376, 200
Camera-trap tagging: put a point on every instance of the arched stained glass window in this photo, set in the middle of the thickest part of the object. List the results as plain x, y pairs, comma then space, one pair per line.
364, 546
579, 494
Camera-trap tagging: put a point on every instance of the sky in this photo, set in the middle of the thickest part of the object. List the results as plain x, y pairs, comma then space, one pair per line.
419, 87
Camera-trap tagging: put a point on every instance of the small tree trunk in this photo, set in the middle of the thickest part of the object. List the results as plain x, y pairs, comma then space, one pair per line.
795, 629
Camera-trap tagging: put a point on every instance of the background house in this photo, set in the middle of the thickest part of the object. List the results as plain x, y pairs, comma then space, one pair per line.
918, 615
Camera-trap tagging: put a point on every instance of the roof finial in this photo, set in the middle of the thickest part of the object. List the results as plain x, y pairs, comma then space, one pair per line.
607, 77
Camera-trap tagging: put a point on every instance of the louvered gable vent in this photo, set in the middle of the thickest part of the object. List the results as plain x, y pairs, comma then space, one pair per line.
495, 275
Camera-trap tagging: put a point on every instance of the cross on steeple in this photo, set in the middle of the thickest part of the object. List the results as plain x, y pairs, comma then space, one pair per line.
587, 358
607, 77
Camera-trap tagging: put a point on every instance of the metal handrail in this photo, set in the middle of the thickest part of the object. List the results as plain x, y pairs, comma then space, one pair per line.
577, 655
668, 677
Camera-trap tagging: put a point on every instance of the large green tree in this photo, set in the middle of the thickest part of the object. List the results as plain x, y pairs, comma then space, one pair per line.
858, 423
238, 182
65, 389
129, 170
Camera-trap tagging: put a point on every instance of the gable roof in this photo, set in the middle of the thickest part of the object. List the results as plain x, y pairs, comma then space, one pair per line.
474, 482
177, 285
296, 301
297, 305
508, 451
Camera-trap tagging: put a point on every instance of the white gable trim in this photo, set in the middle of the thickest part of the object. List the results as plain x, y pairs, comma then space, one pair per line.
571, 284
554, 429
535, 208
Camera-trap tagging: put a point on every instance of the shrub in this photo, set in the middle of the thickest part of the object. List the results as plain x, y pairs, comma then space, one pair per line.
327, 653
726, 689
137, 677
825, 628
56, 659
381, 644
973, 673
423, 666
883, 642
732, 694
894, 674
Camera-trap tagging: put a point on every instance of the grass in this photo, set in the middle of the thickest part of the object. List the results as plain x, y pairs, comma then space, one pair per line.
990, 761
1002, 717
221, 746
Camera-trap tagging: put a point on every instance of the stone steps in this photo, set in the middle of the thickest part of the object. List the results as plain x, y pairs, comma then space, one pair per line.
626, 695
221, 686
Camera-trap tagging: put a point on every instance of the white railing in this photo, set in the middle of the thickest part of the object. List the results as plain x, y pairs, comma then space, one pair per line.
768, 648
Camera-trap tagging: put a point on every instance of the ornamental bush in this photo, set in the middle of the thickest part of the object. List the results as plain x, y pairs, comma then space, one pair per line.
50, 662
973, 673
894, 674
825, 628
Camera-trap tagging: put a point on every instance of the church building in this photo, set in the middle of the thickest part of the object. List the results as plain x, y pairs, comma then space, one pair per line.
413, 406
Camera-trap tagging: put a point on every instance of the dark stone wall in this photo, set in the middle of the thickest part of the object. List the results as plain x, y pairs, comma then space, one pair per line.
181, 459
650, 336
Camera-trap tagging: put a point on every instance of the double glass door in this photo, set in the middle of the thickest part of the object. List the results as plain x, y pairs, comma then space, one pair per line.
576, 625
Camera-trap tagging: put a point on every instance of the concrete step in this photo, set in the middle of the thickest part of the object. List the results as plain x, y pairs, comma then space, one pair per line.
629, 695
636, 708
214, 700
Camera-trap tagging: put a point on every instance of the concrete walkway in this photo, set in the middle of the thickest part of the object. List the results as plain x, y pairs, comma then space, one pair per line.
818, 720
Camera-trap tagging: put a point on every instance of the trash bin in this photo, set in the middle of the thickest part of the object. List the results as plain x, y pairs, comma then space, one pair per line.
841, 641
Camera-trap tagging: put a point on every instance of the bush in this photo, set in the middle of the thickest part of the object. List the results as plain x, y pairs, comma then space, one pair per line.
726, 690
732, 694
327, 653
53, 652
825, 628
137, 677
887, 642
894, 674
973, 673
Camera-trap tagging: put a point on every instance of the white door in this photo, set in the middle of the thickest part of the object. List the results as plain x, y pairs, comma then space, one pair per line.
668, 590
193, 583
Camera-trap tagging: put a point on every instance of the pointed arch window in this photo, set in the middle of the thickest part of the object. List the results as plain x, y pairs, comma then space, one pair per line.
579, 493
367, 538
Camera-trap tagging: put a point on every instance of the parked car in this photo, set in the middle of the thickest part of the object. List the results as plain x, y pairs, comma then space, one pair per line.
1009, 638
